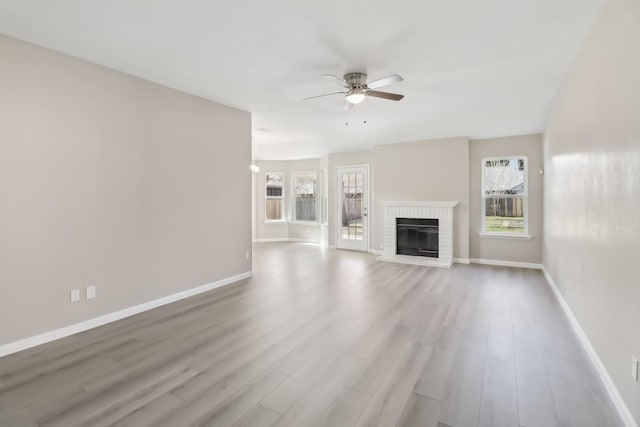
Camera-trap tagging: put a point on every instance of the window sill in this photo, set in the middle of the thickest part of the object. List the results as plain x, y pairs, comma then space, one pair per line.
294, 222
505, 236
275, 221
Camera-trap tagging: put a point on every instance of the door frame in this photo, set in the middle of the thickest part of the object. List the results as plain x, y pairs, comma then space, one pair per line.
367, 198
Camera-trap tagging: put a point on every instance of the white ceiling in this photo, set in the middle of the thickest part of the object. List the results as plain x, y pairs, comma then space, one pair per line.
478, 68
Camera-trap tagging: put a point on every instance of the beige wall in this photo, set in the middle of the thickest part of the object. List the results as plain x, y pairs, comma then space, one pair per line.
435, 170
592, 191
529, 251
111, 181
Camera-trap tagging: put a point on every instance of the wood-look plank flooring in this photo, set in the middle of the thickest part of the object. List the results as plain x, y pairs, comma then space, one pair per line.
323, 338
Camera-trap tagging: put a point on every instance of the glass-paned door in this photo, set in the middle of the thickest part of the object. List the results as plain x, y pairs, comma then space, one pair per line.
353, 197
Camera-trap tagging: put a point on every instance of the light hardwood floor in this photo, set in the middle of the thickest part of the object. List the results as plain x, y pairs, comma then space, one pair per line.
323, 338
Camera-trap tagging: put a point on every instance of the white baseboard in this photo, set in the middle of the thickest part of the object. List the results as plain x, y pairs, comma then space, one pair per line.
619, 403
25, 343
376, 252
505, 263
462, 260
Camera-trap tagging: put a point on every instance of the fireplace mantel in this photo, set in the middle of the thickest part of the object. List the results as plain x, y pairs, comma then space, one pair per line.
443, 211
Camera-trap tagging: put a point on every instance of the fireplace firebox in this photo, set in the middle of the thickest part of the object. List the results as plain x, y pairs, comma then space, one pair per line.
417, 237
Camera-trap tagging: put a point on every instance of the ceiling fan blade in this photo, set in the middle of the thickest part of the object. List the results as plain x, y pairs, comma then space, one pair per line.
337, 79
385, 81
348, 105
326, 94
385, 95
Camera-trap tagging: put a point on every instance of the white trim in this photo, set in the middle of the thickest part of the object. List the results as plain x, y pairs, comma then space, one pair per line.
428, 204
506, 263
25, 343
462, 260
376, 252
484, 235
305, 223
621, 406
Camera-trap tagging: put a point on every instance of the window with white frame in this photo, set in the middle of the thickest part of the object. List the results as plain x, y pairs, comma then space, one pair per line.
504, 196
274, 193
304, 188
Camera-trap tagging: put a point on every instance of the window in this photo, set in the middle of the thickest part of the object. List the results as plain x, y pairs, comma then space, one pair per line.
504, 196
304, 184
274, 196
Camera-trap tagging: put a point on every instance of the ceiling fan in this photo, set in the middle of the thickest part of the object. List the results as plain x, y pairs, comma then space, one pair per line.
358, 88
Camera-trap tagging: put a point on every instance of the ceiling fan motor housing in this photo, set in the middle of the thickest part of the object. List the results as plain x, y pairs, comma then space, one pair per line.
356, 79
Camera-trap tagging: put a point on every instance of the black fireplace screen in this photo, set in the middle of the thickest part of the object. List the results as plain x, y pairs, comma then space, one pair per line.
417, 236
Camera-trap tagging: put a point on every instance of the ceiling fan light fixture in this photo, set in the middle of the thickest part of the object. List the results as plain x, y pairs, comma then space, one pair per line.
355, 97
358, 89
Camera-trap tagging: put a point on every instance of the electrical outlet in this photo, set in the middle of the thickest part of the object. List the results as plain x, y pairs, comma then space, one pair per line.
246, 255
381, 245
75, 295
91, 292
634, 368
